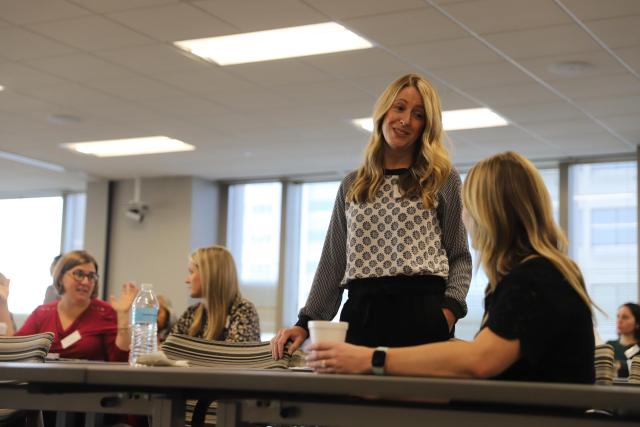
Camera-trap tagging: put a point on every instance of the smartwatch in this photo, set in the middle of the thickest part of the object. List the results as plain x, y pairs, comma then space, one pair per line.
378, 359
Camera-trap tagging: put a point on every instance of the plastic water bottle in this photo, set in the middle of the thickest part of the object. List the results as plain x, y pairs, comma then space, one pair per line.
144, 326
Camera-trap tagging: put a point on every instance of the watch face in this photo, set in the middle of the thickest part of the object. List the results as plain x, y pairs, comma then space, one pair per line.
378, 358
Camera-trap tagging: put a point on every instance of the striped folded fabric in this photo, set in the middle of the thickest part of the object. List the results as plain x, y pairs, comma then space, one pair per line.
27, 348
634, 372
219, 354
604, 364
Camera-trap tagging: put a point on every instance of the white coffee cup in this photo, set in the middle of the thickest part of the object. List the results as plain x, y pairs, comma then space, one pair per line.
325, 331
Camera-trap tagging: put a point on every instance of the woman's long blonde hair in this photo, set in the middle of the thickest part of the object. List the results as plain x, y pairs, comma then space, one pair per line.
512, 216
219, 281
431, 164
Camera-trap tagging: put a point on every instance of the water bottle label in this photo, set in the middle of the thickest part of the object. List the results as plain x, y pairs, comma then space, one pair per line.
144, 315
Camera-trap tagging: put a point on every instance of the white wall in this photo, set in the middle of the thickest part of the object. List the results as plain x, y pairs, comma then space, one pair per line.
182, 215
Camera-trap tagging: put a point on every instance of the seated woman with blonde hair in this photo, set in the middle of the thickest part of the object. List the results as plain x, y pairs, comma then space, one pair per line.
223, 315
538, 316
84, 327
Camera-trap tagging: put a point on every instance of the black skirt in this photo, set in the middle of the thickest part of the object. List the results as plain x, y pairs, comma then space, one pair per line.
396, 311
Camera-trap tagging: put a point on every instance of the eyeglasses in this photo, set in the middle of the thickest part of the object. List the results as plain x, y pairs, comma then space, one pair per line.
79, 275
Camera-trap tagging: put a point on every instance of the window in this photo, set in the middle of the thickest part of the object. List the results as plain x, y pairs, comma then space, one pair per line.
253, 237
603, 234
316, 207
31, 230
75, 206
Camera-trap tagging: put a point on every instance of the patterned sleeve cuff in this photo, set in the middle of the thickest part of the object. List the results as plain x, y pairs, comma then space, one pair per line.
303, 322
458, 309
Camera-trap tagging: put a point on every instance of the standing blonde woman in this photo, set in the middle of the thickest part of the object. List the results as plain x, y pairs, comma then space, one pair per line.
84, 327
223, 315
538, 319
396, 239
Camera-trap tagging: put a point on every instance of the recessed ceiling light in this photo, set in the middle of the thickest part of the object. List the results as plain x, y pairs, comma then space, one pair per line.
571, 68
1, 88
280, 43
130, 146
471, 118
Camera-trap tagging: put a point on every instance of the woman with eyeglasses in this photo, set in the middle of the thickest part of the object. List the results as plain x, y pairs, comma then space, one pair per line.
84, 326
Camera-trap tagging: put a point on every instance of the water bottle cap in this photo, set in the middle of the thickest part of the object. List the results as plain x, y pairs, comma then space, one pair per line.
146, 286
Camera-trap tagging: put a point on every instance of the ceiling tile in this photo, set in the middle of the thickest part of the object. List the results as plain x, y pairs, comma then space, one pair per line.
590, 144
358, 63
154, 59
17, 44
588, 10
91, 33
618, 32
15, 76
174, 22
550, 129
30, 11
482, 75
209, 81
447, 53
102, 6
525, 113
562, 39
340, 9
602, 107
622, 123
80, 67
598, 87
513, 15
257, 15
513, 95
136, 88
14, 103
631, 56
277, 73
413, 26
603, 64
70, 95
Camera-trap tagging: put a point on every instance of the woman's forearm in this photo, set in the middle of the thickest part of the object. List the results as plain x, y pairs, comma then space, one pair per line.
446, 359
123, 337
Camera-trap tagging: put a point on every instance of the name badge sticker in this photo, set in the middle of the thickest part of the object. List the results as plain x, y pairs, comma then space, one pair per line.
70, 339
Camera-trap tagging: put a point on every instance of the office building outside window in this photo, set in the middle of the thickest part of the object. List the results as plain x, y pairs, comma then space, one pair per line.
603, 235
253, 237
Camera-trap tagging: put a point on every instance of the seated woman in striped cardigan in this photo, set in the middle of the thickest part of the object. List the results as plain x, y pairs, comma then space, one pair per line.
223, 315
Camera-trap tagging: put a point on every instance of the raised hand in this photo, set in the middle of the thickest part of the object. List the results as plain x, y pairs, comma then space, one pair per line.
122, 304
4, 290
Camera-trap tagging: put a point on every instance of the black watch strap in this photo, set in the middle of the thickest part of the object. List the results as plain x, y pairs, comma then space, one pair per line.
378, 359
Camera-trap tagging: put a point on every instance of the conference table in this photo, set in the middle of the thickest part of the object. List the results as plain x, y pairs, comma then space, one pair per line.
281, 397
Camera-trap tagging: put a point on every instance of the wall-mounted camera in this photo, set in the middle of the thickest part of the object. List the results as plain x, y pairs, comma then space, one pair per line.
136, 209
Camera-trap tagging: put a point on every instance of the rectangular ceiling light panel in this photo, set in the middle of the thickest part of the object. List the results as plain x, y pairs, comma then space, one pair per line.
280, 43
471, 118
130, 146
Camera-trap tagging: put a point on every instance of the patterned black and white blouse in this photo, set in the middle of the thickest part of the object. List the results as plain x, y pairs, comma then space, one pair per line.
242, 325
392, 236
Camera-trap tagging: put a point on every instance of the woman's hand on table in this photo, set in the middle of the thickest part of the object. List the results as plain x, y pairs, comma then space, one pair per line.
339, 358
295, 334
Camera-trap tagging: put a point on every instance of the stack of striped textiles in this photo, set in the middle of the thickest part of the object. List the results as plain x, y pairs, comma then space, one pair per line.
219, 354
28, 348
634, 372
605, 370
